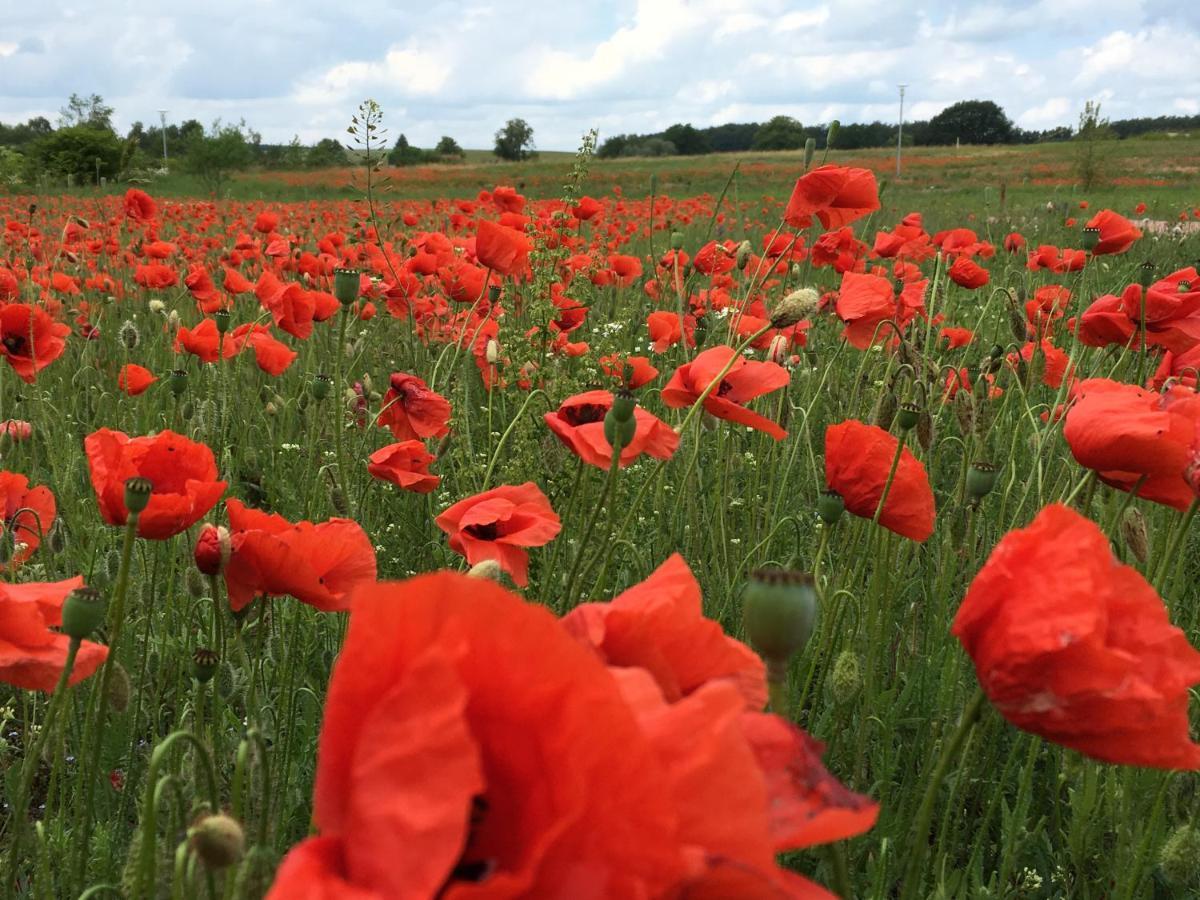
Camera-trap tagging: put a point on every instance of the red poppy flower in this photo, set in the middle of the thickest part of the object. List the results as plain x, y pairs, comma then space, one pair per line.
1014, 242
32, 656
134, 379
858, 459
498, 525
956, 337
203, 341
412, 411
1128, 435
1117, 233
183, 473
501, 249
139, 205
965, 272
270, 355
29, 339
406, 465
865, 301
667, 329
579, 423
320, 565
836, 195
631, 372
17, 429
627, 269
27, 513
1074, 646
746, 380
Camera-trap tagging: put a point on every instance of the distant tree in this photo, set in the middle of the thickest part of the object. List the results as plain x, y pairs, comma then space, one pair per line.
24, 133
612, 147
405, 154
780, 133
75, 151
91, 112
448, 146
650, 146
186, 133
971, 122
732, 137
1090, 138
515, 140
214, 155
687, 139
325, 154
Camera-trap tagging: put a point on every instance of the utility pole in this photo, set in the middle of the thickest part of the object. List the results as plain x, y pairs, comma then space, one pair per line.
900, 131
162, 116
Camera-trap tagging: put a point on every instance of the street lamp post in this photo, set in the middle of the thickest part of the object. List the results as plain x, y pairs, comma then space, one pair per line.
162, 116
900, 131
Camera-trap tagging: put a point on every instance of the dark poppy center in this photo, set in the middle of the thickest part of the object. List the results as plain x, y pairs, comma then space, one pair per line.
584, 414
488, 532
15, 344
724, 388
470, 868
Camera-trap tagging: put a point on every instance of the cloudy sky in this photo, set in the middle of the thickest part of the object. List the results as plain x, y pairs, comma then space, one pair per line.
299, 67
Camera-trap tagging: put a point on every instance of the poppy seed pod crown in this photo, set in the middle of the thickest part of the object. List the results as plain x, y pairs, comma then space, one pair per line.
780, 609
137, 494
345, 285
83, 611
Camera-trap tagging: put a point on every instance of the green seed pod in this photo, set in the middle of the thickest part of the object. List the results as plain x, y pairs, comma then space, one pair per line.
204, 664
320, 386
780, 610
178, 381
1091, 237
1179, 858
82, 612
830, 507
346, 285
1146, 274
618, 433
217, 840
676, 240
222, 317
981, 479
137, 494
908, 416
846, 681
623, 405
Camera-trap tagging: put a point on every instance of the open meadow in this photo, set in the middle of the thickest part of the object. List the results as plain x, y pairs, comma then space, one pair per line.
732, 526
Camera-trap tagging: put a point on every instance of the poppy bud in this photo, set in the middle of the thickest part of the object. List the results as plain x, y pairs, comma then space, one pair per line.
885, 410
195, 583
112, 564
204, 664
178, 381
187, 410
925, 430
320, 386
1091, 237
1179, 858
777, 352
346, 285
488, 568
7, 547
119, 689
832, 133
337, 499
779, 609
1017, 324
794, 307
129, 335
810, 150
212, 549
676, 240
981, 478
1146, 274
492, 352
846, 681
1133, 530
964, 411
443, 445
82, 612
172, 320
56, 537
830, 507
745, 248
137, 494
222, 317
908, 416
255, 874
217, 840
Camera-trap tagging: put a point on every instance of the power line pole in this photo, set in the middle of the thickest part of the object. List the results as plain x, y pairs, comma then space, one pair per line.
162, 116
900, 131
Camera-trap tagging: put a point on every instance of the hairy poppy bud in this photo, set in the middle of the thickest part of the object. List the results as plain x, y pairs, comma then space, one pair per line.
488, 568
178, 381
1133, 530
82, 612
212, 549
255, 874
1091, 237
204, 664
846, 681
745, 248
908, 416
1179, 858
964, 411
794, 307
777, 352
195, 583
780, 610
112, 564
926, 430
320, 386
56, 537
885, 410
981, 479
810, 150
345, 285
119, 689
187, 410
137, 494
222, 317
830, 507
337, 499
676, 240
173, 321
217, 840
129, 335
491, 352
443, 445
832, 133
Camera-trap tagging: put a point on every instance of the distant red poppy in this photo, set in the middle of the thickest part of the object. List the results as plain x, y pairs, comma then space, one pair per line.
203, 341
1117, 233
412, 411
183, 474
134, 379
858, 459
17, 429
1076, 647
30, 339
406, 465
1014, 242
746, 380
956, 337
579, 424
32, 656
499, 524
270, 355
266, 222
27, 513
631, 372
320, 565
1128, 435
837, 195
139, 205
864, 302
965, 272
667, 329
501, 249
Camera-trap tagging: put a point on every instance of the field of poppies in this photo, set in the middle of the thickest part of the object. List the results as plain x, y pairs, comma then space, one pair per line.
610, 544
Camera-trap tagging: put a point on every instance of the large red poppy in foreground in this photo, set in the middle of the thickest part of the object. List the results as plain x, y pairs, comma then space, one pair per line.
31, 655
745, 380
